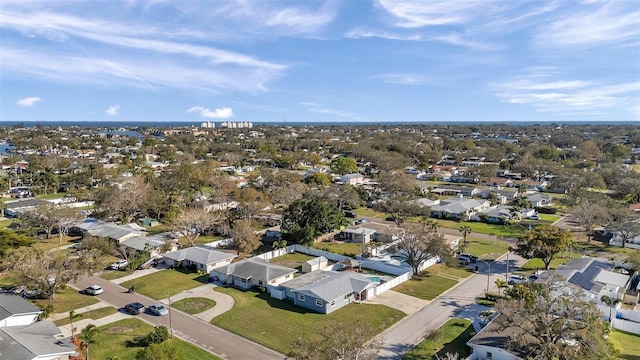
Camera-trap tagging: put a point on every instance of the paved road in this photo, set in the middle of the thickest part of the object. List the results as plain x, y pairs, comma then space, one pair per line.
212, 338
456, 302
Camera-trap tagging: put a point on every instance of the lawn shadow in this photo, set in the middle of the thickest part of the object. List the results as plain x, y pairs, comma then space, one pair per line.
459, 344
282, 304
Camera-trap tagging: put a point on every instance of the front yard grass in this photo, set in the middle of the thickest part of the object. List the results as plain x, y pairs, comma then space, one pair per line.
536, 264
115, 274
427, 285
54, 242
91, 314
292, 260
194, 305
457, 271
627, 344
164, 283
513, 230
277, 323
550, 218
451, 338
67, 300
346, 249
114, 341
369, 213
480, 247
7, 222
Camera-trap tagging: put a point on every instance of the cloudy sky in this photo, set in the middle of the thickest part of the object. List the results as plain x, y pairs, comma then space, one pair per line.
334, 61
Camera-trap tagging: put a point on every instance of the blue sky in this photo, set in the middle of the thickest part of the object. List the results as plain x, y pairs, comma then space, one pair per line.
334, 61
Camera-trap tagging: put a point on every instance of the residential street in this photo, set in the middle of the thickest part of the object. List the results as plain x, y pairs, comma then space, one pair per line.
192, 329
456, 302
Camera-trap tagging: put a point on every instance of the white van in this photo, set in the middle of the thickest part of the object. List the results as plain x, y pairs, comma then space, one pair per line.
516, 279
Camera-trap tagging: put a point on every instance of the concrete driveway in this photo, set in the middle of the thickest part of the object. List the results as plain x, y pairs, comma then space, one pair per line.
399, 301
224, 302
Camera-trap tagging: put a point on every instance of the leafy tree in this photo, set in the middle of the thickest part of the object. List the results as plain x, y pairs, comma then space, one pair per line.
401, 207
344, 165
320, 179
307, 218
244, 235
338, 341
588, 215
544, 242
12, 240
251, 202
417, 246
553, 321
88, 337
166, 350
625, 224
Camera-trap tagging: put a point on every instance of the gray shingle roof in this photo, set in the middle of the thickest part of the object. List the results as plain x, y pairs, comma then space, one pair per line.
256, 268
38, 339
199, 254
329, 285
456, 206
11, 304
316, 260
139, 243
114, 231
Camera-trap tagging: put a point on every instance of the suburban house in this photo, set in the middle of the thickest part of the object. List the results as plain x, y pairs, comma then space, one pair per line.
594, 276
539, 200
425, 202
491, 343
456, 191
458, 208
212, 205
497, 182
15, 208
155, 244
633, 243
327, 291
352, 179
23, 337
358, 235
495, 215
117, 233
383, 232
14, 311
204, 258
315, 264
252, 272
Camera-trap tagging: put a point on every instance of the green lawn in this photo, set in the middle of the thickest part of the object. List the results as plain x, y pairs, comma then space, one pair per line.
533, 264
201, 240
92, 314
194, 305
5, 223
276, 323
550, 218
457, 271
154, 230
347, 249
479, 247
115, 274
627, 344
452, 338
115, 337
292, 260
512, 230
51, 196
69, 299
8, 279
426, 285
161, 284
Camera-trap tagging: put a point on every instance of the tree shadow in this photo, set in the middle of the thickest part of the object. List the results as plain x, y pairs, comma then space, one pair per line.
283, 304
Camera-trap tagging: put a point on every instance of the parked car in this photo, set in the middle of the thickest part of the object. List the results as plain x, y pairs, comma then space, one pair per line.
119, 265
350, 214
534, 217
33, 294
516, 279
467, 258
157, 309
94, 290
134, 308
361, 221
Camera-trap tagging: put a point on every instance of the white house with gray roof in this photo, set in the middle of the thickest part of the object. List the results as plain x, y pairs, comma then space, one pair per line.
14, 311
41, 340
154, 244
328, 291
204, 258
456, 208
252, 272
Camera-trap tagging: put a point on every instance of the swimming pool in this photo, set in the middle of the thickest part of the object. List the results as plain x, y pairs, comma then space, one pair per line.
375, 279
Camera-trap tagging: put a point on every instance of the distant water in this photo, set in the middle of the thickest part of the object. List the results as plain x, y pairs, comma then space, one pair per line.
158, 124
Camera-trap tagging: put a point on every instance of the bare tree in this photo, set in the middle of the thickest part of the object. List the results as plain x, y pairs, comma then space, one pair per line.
245, 238
417, 246
127, 202
192, 222
588, 214
353, 341
625, 224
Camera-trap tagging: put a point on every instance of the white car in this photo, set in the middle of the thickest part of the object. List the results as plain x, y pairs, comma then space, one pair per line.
119, 265
94, 290
534, 217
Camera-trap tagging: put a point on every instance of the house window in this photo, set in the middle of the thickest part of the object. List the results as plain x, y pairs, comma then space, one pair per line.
347, 296
489, 355
318, 302
333, 303
260, 282
300, 297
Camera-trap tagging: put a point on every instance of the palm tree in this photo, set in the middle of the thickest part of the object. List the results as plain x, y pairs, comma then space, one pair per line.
465, 230
47, 310
73, 316
610, 302
501, 284
87, 335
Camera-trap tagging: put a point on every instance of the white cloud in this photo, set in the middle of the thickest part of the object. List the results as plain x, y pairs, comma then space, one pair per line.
113, 110
219, 113
415, 14
403, 79
450, 38
317, 108
28, 101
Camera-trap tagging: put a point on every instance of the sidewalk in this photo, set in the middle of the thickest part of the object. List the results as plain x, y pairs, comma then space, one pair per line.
98, 305
224, 302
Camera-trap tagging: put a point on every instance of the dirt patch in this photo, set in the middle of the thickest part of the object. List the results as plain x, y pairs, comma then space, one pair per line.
118, 330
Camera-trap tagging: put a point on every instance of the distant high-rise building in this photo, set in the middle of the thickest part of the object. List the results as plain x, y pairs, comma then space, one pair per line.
208, 125
237, 124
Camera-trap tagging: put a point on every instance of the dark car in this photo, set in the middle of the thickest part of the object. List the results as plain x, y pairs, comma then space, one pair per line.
134, 308
350, 214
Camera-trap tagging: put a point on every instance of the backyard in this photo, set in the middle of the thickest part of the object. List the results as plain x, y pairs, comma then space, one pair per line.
347, 249
427, 285
451, 338
627, 344
115, 340
164, 283
276, 323
292, 260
